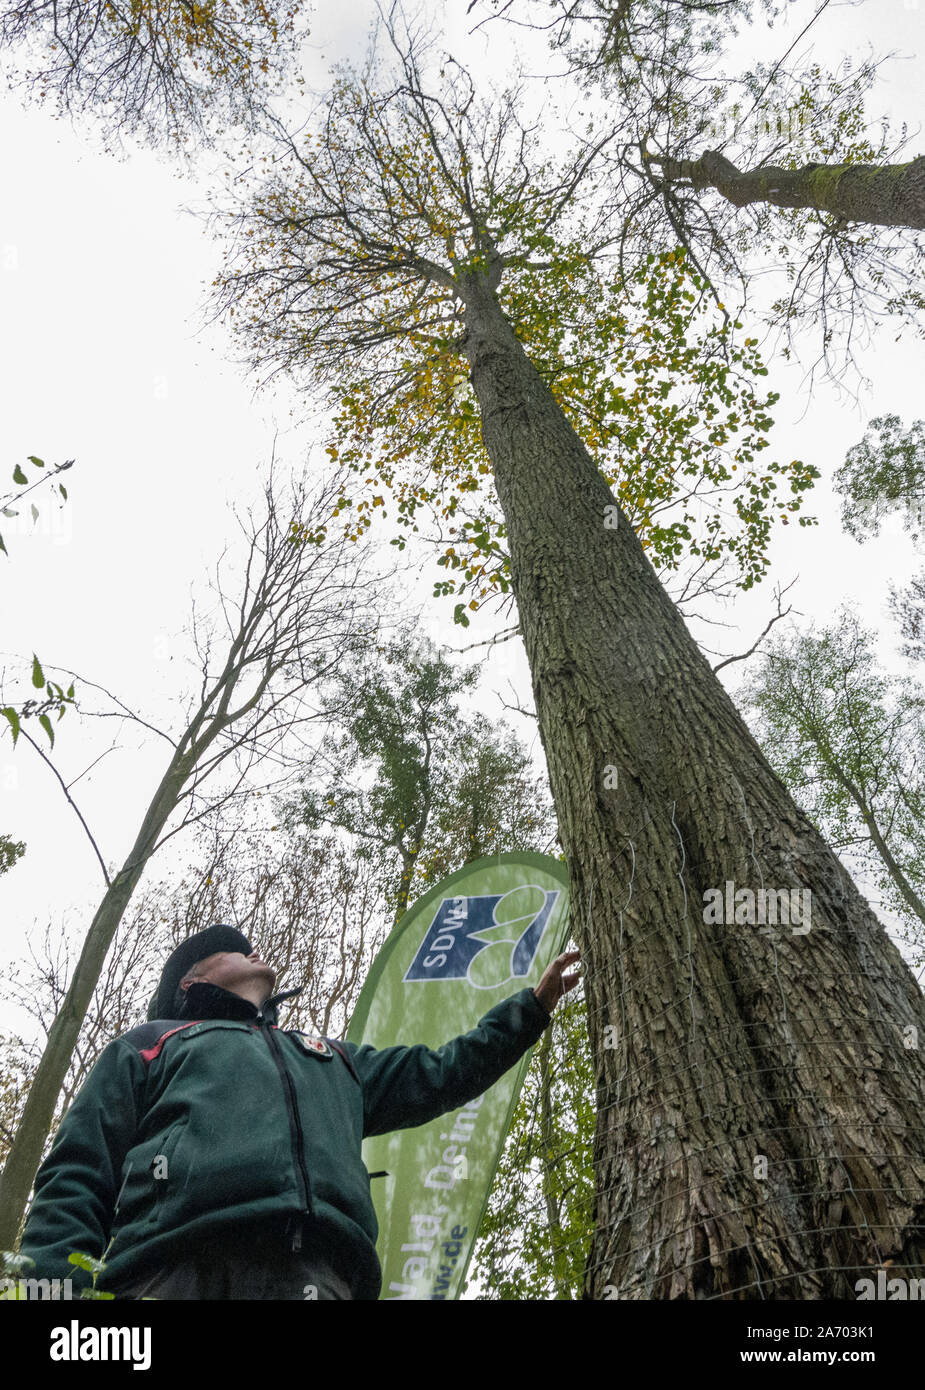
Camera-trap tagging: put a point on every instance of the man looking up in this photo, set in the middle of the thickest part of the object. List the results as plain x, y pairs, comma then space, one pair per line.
212, 1155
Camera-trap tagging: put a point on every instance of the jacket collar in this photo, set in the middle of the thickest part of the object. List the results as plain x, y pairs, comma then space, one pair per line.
205, 1000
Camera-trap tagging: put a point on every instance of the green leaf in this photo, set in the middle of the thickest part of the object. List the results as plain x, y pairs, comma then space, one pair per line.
35, 512
3, 547
38, 680
18, 475
63, 491
459, 615
87, 1262
46, 725
70, 691
13, 716
39, 463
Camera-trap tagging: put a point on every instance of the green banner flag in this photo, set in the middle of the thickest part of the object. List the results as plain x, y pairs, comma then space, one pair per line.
476, 938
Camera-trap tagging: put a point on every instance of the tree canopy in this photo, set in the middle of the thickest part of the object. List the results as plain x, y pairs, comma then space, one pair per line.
161, 69
421, 786
348, 264
884, 474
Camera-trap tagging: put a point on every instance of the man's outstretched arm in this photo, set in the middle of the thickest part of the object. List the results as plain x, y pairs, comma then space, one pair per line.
76, 1187
407, 1086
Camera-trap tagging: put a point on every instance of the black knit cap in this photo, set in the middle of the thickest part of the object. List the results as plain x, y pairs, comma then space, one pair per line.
165, 1001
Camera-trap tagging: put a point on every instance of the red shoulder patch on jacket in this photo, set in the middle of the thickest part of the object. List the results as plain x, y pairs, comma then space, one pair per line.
342, 1053
148, 1054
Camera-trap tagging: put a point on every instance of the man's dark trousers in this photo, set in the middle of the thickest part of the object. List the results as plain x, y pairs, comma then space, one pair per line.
247, 1266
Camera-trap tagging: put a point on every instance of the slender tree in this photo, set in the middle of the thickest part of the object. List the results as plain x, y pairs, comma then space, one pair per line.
849, 743
301, 607
759, 1120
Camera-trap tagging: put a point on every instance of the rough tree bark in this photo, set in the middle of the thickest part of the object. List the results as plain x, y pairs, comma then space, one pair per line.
890, 195
738, 1053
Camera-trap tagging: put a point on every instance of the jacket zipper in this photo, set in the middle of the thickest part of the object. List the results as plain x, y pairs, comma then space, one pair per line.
295, 1128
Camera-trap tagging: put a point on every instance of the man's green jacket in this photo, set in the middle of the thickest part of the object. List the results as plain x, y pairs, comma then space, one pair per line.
221, 1123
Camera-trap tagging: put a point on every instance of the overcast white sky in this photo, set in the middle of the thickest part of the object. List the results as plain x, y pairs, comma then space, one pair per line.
102, 278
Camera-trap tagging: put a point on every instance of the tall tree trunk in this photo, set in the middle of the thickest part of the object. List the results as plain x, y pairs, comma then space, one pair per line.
761, 1126
887, 195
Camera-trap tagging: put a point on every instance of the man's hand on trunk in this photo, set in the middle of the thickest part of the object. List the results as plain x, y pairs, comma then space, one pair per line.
554, 983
